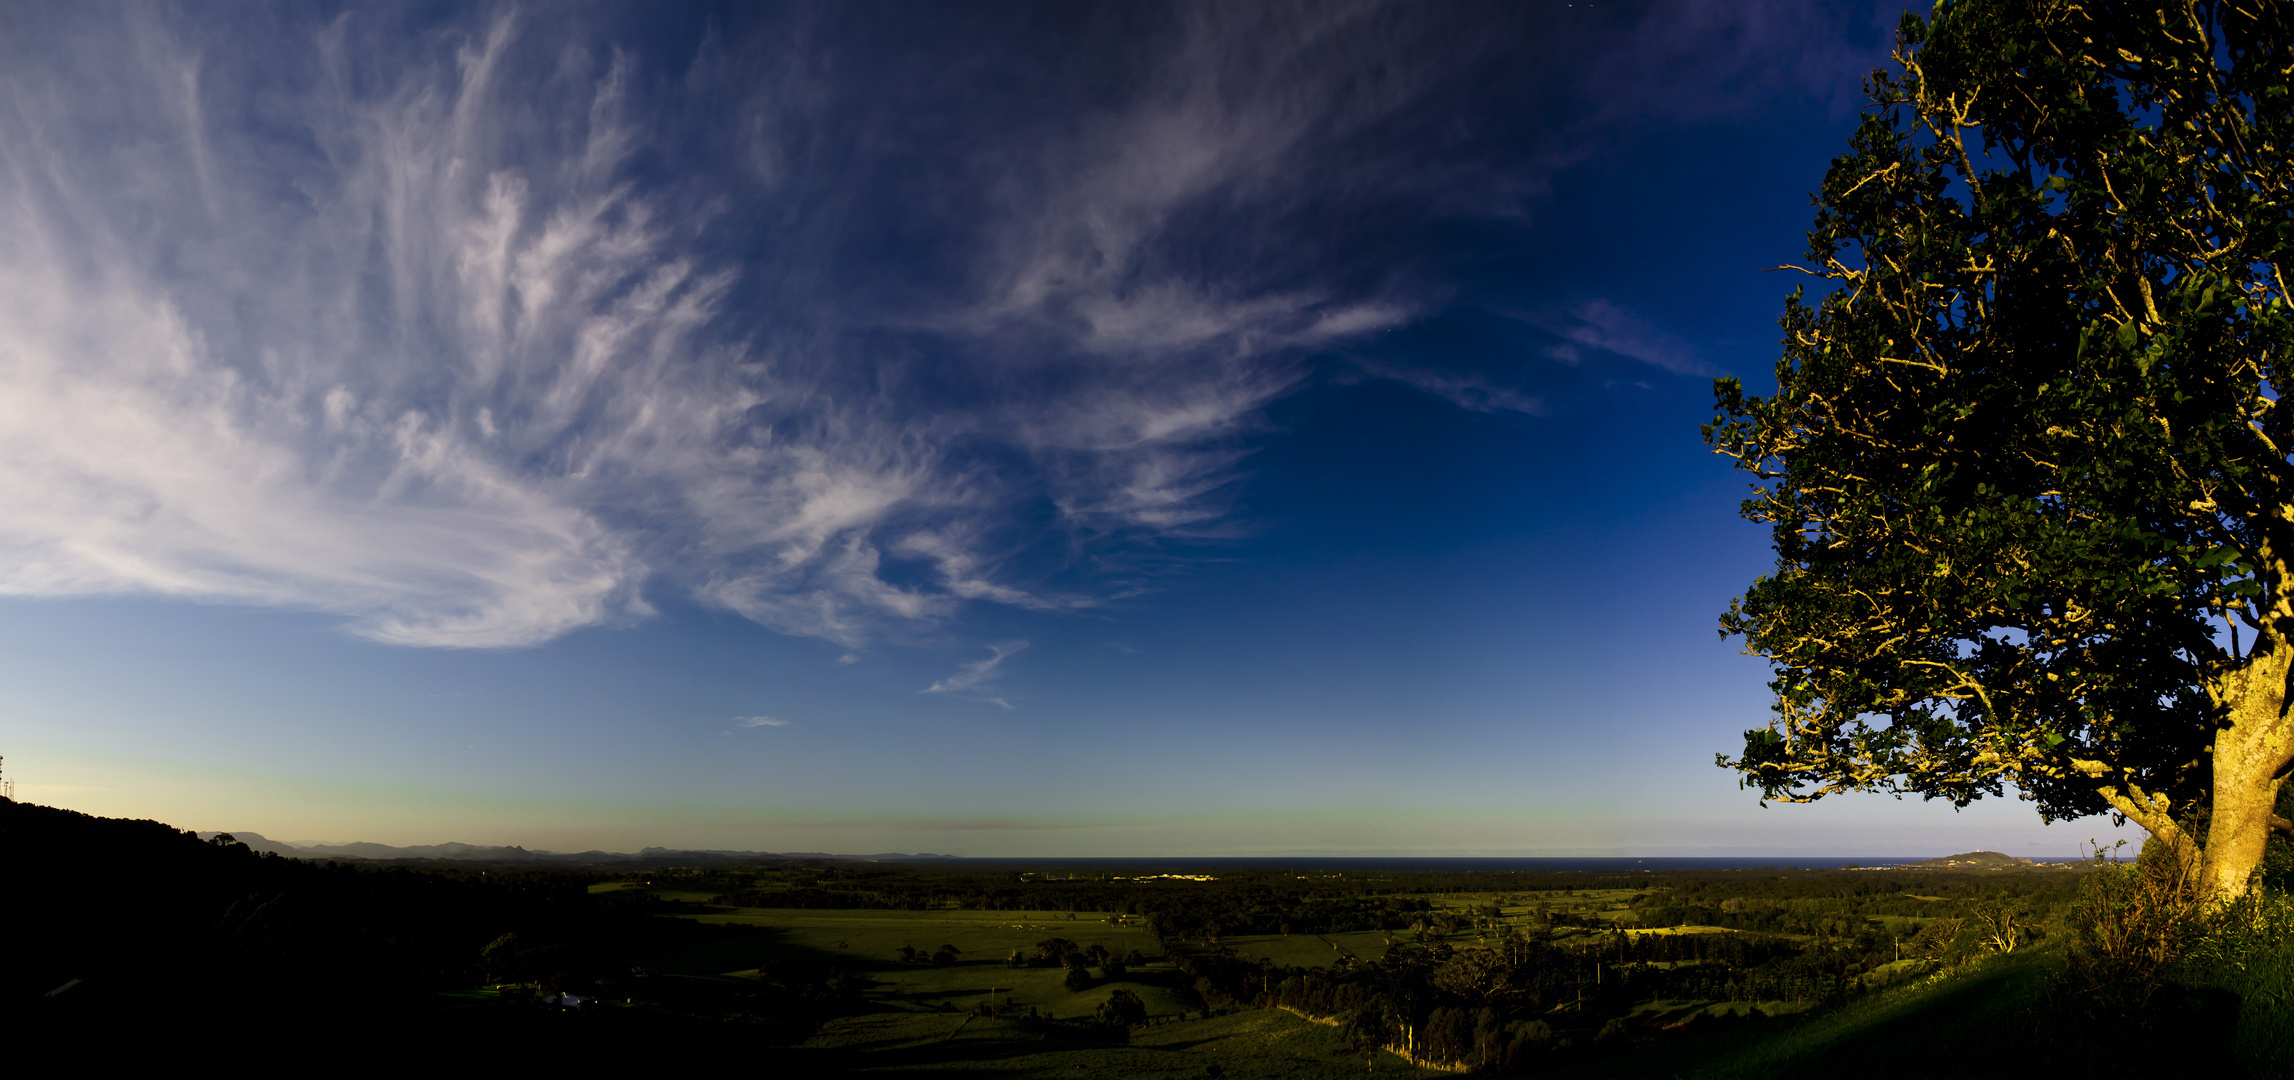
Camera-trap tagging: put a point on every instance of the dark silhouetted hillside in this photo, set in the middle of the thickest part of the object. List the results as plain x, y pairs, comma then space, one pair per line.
134, 949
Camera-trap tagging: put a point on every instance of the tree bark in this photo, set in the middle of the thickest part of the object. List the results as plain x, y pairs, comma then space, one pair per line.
2251, 754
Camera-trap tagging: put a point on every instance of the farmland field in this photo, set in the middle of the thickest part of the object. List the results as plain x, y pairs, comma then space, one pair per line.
926, 1017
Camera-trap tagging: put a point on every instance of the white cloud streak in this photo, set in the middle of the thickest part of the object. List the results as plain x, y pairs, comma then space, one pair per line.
405, 324
417, 349
1613, 328
759, 721
971, 680
1470, 392
146, 448
459, 395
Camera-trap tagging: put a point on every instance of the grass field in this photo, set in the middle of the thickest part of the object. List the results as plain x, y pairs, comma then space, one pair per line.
924, 1017
868, 942
923, 1020
1310, 950
1990, 1018
1255, 1043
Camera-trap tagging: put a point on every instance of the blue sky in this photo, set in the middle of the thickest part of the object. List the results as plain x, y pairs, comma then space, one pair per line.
989, 429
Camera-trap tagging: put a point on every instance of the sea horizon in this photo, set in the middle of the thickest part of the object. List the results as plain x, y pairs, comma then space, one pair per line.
1590, 864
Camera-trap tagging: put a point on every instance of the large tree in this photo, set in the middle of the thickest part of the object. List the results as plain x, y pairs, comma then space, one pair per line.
2026, 464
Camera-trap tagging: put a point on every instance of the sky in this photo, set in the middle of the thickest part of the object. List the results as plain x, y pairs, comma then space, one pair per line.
995, 430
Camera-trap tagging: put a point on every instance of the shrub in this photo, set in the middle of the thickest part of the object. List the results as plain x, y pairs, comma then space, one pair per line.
2129, 925
2249, 952
1934, 938
498, 955
2140, 994
1077, 979
1123, 1007
2001, 921
1053, 950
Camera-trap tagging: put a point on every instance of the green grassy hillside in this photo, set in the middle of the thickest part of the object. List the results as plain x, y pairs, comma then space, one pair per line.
1998, 1016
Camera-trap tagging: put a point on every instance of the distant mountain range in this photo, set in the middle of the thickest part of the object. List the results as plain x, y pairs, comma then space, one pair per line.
655, 857
473, 853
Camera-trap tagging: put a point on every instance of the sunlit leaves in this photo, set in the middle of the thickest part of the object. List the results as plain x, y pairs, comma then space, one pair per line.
2024, 462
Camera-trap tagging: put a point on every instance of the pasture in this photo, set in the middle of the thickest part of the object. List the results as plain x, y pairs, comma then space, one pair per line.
1255, 1043
962, 990
924, 1016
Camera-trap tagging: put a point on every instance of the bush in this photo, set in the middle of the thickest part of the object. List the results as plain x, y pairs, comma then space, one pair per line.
2155, 977
2248, 951
1123, 1007
1077, 979
2129, 926
1934, 938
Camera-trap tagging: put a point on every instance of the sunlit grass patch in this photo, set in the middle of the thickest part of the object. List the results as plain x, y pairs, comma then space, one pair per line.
1312, 950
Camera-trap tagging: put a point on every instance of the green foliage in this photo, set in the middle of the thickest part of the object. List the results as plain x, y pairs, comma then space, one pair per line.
2002, 921
2026, 469
2131, 925
498, 954
1934, 939
2277, 869
1970, 1020
2160, 979
821, 991
2248, 952
2151, 957
1123, 1008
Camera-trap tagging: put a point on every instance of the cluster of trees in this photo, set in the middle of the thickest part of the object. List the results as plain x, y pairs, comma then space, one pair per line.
1124, 1009
1493, 1007
1078, 960
1241, 900
943, 956
813, 898
1244, 902
1489, 1008
1212, 915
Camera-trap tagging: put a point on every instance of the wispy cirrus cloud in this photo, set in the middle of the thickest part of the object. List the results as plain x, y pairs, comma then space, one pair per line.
972, 679
759, 721
1614, 328
1472, 392
476, 327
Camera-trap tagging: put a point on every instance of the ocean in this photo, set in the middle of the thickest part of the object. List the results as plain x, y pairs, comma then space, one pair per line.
1591, 865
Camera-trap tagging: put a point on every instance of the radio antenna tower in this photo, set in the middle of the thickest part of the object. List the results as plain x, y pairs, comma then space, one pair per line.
7, 787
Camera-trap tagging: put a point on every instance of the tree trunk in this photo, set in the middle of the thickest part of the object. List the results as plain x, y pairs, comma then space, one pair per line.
2250, 758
